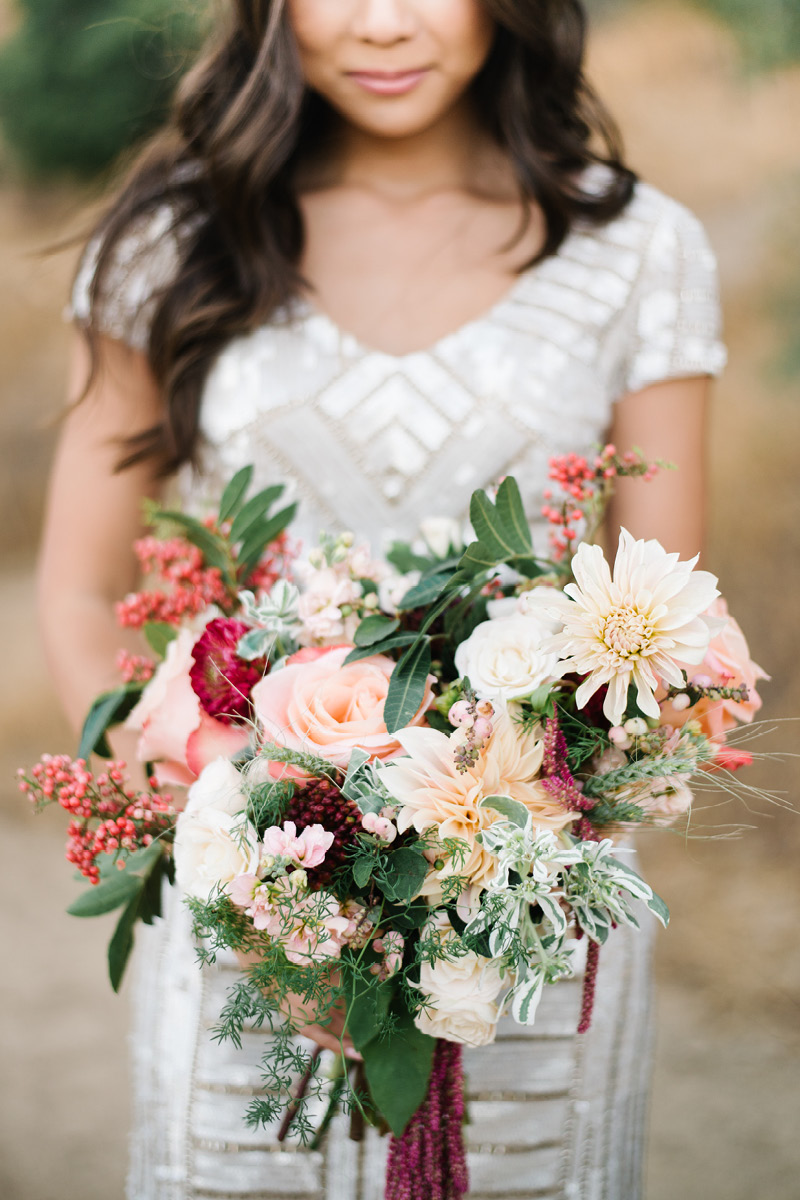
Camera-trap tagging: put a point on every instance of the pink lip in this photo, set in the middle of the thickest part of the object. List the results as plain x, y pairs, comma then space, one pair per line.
388, 83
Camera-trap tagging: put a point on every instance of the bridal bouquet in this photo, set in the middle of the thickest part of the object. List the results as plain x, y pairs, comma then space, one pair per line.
409, 780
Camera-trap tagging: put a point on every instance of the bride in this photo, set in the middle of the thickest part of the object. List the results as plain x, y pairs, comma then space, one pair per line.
388, 251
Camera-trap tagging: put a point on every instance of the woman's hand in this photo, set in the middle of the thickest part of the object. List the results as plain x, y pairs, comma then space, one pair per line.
305, 1015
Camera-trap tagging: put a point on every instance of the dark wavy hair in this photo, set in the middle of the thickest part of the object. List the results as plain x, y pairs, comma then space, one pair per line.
242, 122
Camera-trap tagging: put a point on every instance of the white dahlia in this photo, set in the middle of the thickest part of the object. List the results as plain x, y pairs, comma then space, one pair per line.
634, 627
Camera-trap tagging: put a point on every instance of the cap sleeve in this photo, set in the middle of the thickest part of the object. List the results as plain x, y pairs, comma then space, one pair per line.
144, 261
676, 322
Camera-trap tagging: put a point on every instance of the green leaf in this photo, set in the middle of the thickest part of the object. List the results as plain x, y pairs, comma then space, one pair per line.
367, 1009
403, 558
490, 529
118, 890
407, 686
234, 493
403, 875
375, 629
511, 512
109, 709
121, 944
362, 871
531, 568
476, 558
426, 591
209, 544
158, 635
543, 701
254, 510
395, 642
398, 1069
512, 810
261, 535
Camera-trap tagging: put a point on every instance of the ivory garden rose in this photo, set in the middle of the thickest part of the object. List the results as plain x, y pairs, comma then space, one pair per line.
461, 995
317, 705
503, 658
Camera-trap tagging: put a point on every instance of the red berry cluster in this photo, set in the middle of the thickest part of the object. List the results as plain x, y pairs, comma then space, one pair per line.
106, 816
583, 481
193, 586
135, 668
320, 802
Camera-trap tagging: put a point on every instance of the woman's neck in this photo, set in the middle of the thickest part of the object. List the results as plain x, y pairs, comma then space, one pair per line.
455, 154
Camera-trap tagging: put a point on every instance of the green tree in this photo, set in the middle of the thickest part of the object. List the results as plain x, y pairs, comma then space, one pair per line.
80, 80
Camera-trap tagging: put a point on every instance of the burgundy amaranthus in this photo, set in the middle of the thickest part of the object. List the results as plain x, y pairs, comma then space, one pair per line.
320, 802
558, 780
107, 817
428, 1162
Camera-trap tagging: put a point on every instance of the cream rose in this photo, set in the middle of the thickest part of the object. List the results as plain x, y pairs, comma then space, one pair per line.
322, 707
212, 847
219, 786
462, 999
503, 659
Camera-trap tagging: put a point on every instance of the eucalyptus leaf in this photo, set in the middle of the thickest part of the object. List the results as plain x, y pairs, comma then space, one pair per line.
362, 871
405, 560
407, 686
403, 875
234, 493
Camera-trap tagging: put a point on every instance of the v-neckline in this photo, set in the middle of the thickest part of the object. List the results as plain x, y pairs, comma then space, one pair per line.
311, 312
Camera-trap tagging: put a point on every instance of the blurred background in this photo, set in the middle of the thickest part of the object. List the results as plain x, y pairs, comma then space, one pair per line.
708, 97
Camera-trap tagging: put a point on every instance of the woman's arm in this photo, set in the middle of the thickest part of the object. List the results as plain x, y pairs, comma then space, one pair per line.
92, 518
666, 421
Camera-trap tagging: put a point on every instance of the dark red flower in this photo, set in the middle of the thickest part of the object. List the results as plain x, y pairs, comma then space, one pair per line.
221, 680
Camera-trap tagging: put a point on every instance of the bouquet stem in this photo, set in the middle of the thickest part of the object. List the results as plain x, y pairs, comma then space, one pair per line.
299, 1096
429, 1161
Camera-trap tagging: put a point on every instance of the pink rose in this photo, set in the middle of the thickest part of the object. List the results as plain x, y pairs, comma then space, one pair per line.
321, 707
727, 664
176, 734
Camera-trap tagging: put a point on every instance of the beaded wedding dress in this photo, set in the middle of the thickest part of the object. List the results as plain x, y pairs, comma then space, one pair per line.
374, 442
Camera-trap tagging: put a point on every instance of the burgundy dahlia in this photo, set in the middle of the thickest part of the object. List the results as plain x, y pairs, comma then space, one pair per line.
320, 802
221, 680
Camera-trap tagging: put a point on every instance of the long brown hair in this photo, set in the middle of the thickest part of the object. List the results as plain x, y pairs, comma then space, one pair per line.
242, 121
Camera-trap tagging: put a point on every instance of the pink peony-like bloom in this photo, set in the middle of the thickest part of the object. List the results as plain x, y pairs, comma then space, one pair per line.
308, 850
322, 707
727, 664
223, 681
176, 734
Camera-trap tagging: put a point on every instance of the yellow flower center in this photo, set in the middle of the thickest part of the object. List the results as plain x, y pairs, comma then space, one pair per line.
626, 632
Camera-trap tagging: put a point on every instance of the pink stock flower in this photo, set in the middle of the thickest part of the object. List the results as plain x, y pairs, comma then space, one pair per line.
310, 926
322, 707
176, 734
308, 850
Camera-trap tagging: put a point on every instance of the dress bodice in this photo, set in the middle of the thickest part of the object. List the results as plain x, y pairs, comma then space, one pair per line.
374, 442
